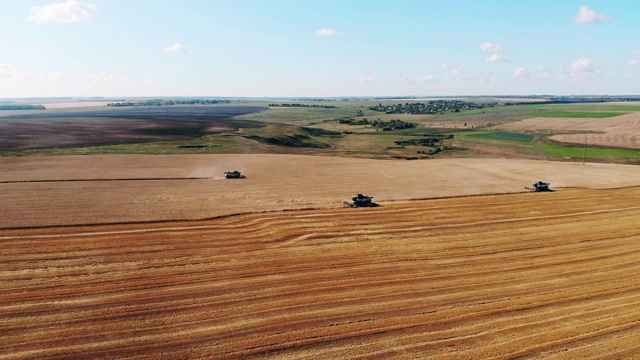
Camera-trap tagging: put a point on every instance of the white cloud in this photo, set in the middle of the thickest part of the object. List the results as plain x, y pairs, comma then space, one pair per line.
539, 72
104, 78
427, 78
458, 72
41, 77
18, 81
67, 12
401, 77
490, 47
416, 84
636, 52
413, 83
177, 47
326, 32
496, 58
631, 63
582, 67
329, 32
494, 48
454, 71
521, 72
586, 16
6, 71
368, 79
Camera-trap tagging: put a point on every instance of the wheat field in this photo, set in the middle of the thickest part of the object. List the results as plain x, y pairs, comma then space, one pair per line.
530, 275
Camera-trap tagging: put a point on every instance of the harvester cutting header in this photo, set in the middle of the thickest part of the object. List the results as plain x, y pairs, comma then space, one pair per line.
235, 174
361, 201
539, 186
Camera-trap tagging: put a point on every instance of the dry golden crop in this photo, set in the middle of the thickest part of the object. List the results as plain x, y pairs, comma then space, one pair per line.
620, 131
523, 275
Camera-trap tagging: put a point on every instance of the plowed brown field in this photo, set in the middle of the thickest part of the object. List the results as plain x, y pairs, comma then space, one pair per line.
550, 275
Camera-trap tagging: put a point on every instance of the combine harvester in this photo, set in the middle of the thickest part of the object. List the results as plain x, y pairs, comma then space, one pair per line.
361, 201
539, 186
235, 174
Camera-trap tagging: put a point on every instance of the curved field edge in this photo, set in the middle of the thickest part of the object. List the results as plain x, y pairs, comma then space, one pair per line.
540, 275
617, 132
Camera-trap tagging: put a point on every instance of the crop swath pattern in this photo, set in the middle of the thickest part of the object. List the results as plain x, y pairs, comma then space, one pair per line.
551, 274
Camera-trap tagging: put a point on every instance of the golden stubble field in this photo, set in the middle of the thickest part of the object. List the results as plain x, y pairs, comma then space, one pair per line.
67, 190
620, 131
528, 275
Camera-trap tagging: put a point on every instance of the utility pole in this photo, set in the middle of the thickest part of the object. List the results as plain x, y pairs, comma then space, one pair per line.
584, 155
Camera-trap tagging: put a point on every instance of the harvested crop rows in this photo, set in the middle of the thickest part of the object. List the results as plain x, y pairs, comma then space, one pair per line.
536, 274
99, 189
621, 131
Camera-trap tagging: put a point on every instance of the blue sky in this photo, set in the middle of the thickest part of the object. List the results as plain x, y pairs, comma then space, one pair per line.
332, 48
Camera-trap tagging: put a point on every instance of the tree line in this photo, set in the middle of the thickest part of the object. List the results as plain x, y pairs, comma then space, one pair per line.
163, 102
21, 107
303, 105
394, 124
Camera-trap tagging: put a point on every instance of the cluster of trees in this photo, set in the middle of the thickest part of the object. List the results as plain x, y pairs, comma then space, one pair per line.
431, 107
304, 105
575, 99
21, 107
396, 124
431, 152
352, 121
163, 102
312, 99
427, 140
435, 142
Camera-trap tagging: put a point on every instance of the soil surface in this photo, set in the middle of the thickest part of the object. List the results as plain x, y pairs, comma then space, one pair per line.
511, 275
74, 190
49, 129
621, 131
535, 275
